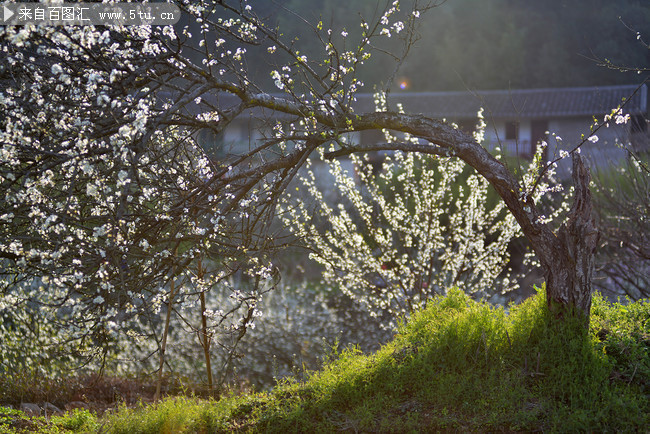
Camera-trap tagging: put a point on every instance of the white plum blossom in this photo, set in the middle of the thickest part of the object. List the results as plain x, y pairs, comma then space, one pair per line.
622, 119
360, 250
56, 69
275, 75
169, 32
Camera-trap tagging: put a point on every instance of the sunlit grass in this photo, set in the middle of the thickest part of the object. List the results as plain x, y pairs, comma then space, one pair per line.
458, 365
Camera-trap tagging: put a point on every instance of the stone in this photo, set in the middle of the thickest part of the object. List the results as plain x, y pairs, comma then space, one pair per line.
76, 404
50, 408
30, 409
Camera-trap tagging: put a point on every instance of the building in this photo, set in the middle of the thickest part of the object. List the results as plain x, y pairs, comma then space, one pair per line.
517, 120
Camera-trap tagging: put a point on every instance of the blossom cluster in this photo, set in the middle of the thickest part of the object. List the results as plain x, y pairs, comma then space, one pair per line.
399, 237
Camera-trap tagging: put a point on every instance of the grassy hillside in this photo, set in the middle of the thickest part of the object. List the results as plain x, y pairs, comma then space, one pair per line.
458, 365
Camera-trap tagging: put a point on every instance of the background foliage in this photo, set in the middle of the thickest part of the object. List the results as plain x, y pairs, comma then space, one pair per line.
498, 44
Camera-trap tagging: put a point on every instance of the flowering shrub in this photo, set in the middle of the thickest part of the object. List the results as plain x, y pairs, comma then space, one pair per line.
622, 196
397, 238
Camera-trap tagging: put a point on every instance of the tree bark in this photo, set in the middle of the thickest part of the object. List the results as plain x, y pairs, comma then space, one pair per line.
569, 267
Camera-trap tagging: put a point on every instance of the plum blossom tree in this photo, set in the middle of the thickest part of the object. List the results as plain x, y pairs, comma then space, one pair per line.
99, 223
111, 211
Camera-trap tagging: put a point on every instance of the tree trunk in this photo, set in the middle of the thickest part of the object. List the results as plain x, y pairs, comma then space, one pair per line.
204, 337
568, 264
163, 344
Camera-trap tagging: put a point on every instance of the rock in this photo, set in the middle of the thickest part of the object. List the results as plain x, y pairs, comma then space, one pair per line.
50, 408
76, 404
30, 409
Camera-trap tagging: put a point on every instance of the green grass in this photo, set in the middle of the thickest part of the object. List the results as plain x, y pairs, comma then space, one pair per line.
458, 365
76, 421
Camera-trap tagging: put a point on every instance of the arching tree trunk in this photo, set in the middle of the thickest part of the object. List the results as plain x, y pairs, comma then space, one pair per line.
566, 256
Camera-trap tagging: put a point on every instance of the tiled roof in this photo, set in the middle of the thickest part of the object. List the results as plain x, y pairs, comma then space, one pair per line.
511, 104
529, 103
